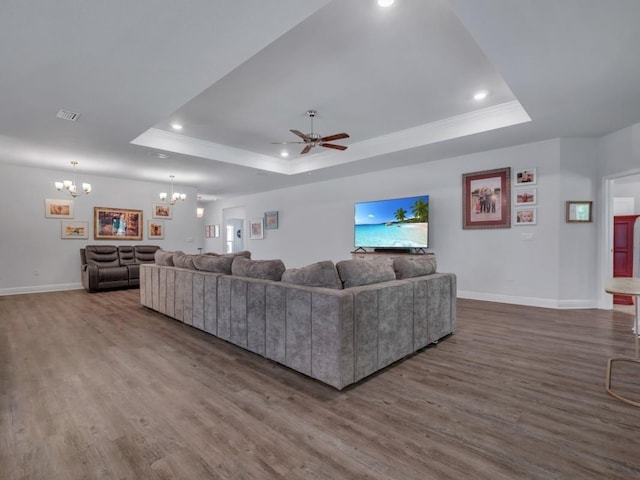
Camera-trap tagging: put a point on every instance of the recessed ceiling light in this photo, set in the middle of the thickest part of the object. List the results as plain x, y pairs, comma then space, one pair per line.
176, 126
284, 154
480, 95
385, 3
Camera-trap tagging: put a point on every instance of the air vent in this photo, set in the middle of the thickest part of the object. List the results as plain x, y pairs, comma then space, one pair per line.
68, 115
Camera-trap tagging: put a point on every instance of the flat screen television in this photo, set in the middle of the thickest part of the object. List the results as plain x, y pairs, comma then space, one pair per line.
396, 223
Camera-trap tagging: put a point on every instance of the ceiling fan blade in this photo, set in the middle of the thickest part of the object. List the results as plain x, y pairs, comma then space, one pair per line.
305, 150
301, 135
331, 145
337, 136
284, 143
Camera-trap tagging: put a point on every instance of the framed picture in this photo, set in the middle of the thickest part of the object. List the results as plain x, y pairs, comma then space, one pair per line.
525, 176
161, 210
526, 216
256, 229
54, 208
117, 224
486, 199
526, 196
270, 220
155, 229
70, 229
579, 211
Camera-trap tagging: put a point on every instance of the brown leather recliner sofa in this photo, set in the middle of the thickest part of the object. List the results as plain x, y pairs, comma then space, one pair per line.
109, 266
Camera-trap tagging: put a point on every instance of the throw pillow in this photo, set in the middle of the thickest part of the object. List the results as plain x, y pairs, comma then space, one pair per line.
213, 263
183, 260
320, 274
163, 257
408, 267
355, 273
264, 269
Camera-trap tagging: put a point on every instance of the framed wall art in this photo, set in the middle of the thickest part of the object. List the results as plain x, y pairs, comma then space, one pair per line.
270, 220
155, 229
256, 229
162, 211
579, 211
526, 216
525, 176
526, 196
486, 199
117, 224
72, 229
55, 208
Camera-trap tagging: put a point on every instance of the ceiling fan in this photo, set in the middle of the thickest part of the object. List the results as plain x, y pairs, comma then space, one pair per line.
312, 139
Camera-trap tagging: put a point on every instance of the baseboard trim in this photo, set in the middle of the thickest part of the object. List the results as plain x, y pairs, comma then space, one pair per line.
529, 301
40, 289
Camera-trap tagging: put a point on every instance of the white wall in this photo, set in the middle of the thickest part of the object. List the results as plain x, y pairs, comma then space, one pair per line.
316, 223
33, 257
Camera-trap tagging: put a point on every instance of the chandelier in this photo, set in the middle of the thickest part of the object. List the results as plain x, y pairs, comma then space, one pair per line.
71, 184
175, 196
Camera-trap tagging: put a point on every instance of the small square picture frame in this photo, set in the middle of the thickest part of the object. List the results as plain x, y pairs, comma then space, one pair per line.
526, 196
271, 220
579, 211
256, 229
161, 211
526, 216
71, 229
523, 177
57, 208
155, 229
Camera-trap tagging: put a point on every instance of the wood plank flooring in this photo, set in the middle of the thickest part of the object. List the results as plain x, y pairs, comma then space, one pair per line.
95, 386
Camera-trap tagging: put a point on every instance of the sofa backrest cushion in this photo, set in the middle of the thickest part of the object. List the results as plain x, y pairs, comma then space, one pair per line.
409, 267
102, 255
125, 252
354, 273
213, 263
145, 253
163, 257
320, 274
264, 269
183, 260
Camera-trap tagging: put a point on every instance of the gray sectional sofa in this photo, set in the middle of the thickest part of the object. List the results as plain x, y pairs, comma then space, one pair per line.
336, 323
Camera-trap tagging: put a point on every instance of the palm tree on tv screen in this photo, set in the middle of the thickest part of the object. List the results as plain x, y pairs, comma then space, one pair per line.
420, 210
401, 214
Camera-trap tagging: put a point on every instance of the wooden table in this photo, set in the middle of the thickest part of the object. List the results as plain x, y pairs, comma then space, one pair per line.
629, 286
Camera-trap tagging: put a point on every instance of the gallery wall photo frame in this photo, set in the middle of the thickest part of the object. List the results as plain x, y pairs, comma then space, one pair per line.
161, 211
256, 229
212, 231
525, 176
526, 216
486, 199
57, 208
526, 196
271, 220
117, 223
579, 211
71, 229
155, 229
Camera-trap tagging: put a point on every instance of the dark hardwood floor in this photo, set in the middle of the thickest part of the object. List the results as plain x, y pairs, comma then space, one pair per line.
95, 386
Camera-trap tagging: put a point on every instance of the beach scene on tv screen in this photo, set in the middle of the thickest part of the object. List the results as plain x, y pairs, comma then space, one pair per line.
399, 222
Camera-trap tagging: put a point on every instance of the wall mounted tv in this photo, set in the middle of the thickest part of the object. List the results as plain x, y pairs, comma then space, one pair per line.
397, 223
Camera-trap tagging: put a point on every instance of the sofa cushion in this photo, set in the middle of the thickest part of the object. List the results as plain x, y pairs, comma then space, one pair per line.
213, 263
354, 273
145, 253
102, 255
243, 253
320, 274
264, 269
409, 267
163, 257
125, 252
183, 260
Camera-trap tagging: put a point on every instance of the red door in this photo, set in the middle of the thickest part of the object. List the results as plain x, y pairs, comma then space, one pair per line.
623, 251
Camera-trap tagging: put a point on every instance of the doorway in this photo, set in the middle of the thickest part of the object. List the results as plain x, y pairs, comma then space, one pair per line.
234, 235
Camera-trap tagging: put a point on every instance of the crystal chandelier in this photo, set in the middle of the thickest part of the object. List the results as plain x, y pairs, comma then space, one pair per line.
71, 184
175, 196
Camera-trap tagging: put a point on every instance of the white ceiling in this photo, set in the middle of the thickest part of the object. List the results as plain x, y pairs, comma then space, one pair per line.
239, 74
